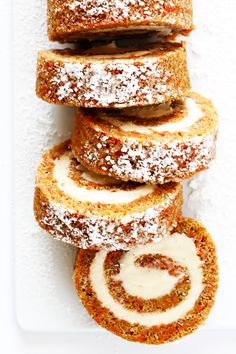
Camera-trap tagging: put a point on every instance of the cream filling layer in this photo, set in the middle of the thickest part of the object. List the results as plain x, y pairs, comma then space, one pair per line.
146, 112
150, 283
162, 31
83, 194
138, 281
114, 53
98, 179
194, 113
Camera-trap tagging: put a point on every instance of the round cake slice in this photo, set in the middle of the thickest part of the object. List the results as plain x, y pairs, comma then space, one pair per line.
155, 144
97, 212
109, 76
69, 20
152, 294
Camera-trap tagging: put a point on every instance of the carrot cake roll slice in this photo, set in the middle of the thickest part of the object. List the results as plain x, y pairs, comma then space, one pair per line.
69, 20
97, 212
154, 144
151, 294
109, 76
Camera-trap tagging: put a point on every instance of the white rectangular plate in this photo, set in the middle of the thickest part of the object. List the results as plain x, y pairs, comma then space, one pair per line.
45, 297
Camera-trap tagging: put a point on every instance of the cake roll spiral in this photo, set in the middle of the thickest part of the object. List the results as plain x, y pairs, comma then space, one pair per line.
155, 293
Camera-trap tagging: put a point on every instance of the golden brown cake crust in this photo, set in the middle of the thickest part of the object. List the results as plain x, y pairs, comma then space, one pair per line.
154, 334
71, 19
154, 158
155, 74
97, 225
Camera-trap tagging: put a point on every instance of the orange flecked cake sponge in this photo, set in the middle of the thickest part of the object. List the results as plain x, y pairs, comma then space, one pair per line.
153, 144
69, 20
109, 76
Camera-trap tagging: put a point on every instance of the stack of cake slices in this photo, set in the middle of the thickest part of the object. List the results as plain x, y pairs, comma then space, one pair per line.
142, 271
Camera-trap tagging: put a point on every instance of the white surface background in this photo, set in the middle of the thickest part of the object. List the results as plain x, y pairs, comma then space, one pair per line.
212, 58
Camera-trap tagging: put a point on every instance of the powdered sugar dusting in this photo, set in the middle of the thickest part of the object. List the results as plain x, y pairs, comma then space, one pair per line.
121, 9
114, 83
111, 233
153, 162
70, 20
73, 19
